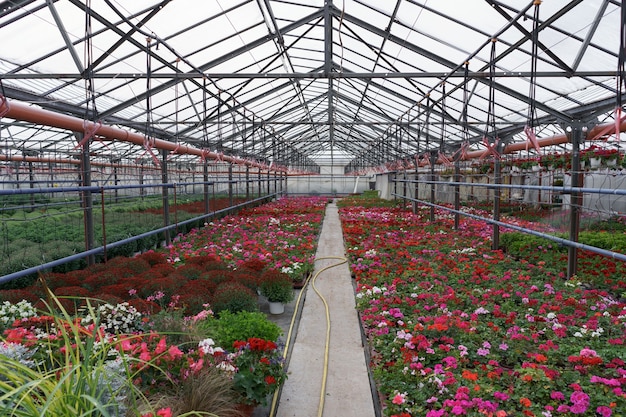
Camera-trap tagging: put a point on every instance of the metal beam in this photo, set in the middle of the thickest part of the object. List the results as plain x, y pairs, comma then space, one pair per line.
590, 33
64, 35
200, 73
474, 75
156, 9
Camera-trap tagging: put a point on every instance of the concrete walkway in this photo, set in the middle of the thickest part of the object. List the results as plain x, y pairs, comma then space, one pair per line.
348, 392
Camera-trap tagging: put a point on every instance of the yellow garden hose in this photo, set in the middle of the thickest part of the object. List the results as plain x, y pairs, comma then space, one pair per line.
320, 408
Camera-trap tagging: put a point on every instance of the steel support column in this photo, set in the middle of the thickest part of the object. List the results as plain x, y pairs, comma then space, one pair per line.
230, 185
86, 198
576, 132
457, 193
433, 161
165, 196
205, 186
247, 183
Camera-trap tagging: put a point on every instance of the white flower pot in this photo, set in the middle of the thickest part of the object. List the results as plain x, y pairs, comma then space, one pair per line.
611, 162
594, 162
276, 307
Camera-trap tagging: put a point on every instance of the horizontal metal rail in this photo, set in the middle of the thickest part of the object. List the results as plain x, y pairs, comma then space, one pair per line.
559, 240
562, 190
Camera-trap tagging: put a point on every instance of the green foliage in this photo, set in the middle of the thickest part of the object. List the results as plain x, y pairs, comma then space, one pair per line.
369, 198
240, 326
277, 287
234, 297
520, 243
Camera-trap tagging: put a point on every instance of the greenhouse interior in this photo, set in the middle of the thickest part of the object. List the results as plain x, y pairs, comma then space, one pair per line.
453, 172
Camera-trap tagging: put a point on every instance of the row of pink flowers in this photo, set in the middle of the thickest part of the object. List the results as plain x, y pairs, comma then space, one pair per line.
282, 234
458, 329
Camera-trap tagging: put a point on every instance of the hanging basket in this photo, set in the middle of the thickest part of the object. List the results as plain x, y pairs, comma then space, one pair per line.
594, 162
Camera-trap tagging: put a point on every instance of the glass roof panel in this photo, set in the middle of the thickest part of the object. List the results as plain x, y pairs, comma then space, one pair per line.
382, 62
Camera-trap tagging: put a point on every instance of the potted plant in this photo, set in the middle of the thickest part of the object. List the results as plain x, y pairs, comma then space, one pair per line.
260, 370
234, 297
597, 156
277, 287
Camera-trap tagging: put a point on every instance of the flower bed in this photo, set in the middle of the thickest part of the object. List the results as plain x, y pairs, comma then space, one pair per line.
456, 328
146, 346
282, 234
115, 359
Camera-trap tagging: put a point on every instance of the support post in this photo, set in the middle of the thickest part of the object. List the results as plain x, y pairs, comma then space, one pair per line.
260, 183
394, 180
497, 180
247, 182
404, 194
275, 182
497, 195
576, 132
142, 191
86, 198
230, 184
417, 189
165, 195
31, 181
115, 182
457, 193
433, 160
205, 186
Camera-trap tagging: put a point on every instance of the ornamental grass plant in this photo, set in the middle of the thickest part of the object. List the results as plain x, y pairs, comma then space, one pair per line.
63, 369
106, 364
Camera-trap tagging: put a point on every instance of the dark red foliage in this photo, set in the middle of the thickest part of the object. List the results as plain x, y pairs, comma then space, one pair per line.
189, 271
206, 262
71, 298
168, 285
108, 276
135, 265
17, 295
234, 297
153, 258
111, 299
71, 291
254, 265
250, 280
134, 283
119, 290
274, 275
193, 296
217, 276
55, 280
159, 270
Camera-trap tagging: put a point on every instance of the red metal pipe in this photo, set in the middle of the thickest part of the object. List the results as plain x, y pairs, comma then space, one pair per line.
19, 111
551, 140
